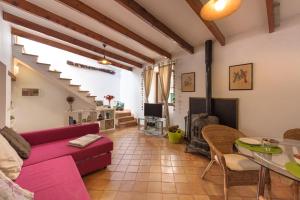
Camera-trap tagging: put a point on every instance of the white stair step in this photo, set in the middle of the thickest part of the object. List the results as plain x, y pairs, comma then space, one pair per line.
55, 74
18, 48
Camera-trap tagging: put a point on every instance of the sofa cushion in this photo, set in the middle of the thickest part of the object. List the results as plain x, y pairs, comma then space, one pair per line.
21, 146
57, 179
10, 162
12, 191
60, 148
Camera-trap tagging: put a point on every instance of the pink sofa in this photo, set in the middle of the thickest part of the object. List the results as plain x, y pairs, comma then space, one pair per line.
53, 168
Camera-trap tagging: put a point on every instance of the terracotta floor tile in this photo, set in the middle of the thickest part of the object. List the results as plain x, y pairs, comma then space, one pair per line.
117, 176
167, 170
154, 196
140, 186
185, 197
126, 159
145, 162
126, 186
168, 188
184, 188
132, 168
170, 197
167, 163
138, 196
155, 177
201, 197
180, 178
108, 195
154, 187
178, 170
123, 196
135, 162
95, 194
96, 184
144, 169
111, 167
113, 185
167, 178
154, 169
121, 168
129, 176
142, 176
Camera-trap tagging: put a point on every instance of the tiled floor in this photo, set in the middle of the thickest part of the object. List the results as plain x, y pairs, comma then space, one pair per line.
147, 167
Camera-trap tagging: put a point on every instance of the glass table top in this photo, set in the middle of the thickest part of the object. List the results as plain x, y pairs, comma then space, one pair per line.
276, 162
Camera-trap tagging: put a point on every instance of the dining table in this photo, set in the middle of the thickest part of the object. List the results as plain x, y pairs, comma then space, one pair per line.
275, 162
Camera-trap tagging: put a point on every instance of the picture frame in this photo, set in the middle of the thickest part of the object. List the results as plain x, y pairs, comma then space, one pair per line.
188, 82
30, 92
241, 77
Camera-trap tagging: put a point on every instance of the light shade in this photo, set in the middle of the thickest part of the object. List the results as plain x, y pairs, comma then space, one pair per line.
104, 61
218, 9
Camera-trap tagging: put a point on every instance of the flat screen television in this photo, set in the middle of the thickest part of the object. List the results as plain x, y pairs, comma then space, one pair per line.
153, 109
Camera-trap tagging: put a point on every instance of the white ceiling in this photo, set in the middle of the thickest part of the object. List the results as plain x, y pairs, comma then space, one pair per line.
176, 14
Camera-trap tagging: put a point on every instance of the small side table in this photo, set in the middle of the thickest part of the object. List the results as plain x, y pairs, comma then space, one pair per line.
158, 127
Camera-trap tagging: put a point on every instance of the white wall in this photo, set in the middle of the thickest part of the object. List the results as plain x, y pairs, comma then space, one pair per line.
273, 106
48, 110
5, 58
3, 73
130, 91
98, 83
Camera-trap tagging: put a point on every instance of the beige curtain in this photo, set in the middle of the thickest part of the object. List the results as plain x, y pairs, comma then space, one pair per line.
148, 74
165, 72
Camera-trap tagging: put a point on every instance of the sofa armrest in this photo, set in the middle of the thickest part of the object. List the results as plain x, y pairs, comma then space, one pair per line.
51, 135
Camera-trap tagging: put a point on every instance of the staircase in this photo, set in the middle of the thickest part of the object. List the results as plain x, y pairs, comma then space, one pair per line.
30, 61
125, 119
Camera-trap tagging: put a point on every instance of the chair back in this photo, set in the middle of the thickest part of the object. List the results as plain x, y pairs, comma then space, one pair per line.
293, 134
221, 137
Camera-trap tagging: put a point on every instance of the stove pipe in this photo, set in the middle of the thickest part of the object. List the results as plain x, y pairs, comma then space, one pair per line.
208, 63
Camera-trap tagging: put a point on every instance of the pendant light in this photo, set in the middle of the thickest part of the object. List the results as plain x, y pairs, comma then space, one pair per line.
218, 9
104, 61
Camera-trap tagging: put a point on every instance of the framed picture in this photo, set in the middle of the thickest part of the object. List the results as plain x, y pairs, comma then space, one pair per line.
241, 77
30, 92
188, 82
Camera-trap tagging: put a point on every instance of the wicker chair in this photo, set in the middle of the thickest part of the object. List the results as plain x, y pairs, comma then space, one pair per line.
213, 157
293, 134
221, 141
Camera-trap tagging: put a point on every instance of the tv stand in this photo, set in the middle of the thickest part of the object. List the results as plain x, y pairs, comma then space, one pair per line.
152, 125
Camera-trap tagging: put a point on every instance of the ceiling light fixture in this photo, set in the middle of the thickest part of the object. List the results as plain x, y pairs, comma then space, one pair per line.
104, 61
218, 9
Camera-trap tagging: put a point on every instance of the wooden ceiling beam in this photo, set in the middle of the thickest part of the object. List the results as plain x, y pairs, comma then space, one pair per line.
47, 31
141, 12
58, 45
85, 9
270, 14
36, 10
196, 5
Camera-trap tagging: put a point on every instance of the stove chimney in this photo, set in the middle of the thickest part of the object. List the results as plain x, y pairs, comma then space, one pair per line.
208, 63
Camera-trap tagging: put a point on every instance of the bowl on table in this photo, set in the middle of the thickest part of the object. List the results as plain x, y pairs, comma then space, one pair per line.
297, 158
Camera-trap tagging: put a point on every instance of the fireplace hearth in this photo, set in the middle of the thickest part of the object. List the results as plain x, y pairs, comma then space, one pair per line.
197, 142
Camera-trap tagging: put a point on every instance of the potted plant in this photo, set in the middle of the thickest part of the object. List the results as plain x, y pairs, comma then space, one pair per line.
70, 101
175, 134
109, 98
